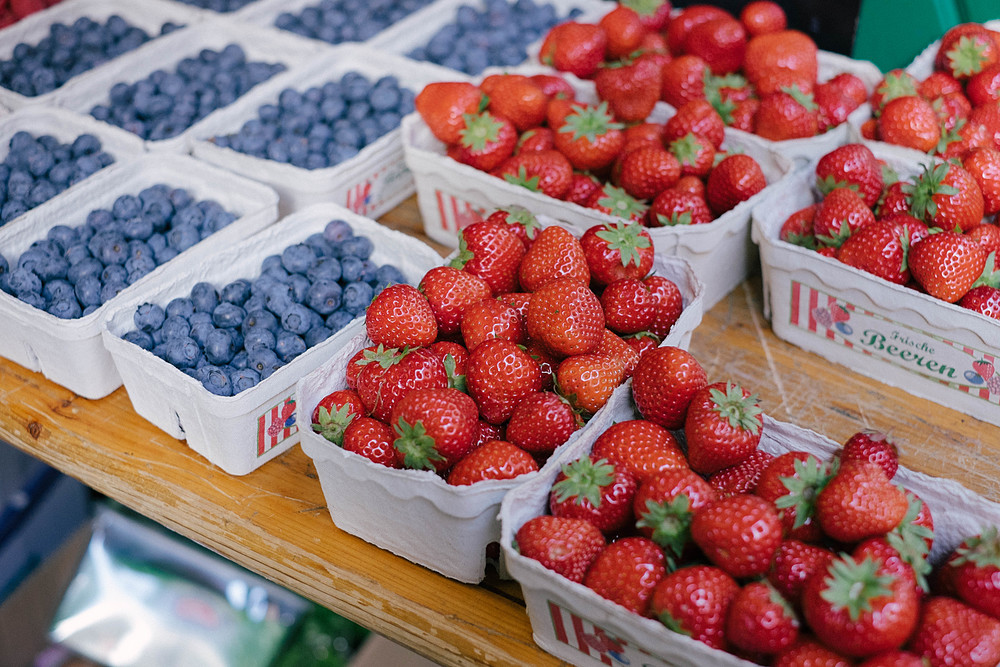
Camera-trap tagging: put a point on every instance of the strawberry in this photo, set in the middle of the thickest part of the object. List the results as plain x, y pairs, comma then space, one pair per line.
721, 42
486, 141
390, 374
588, 380
665, 504
401, 316
794, 563
966, 49
739, 534
983, 299
574, 47
984, 87
555, 254
858, 502
786, 56
631, 87
897, 658
798, 228
742, 477
789, 113
617, 250
895, 83
516, 98
901, 563
851, 166
683, 80
455, 358
669, 303
975, 571
545, 171
535, 139
695, 601
839, 215
735, 179
518, 301
615, 348
522, 222
583, 190
629, 306
642, 134
626, 573
909, 121
486, 432
874, 446
589, 137
490, 318
654, 14
358, 362
947, 196
434, 427
625, 32
664, 383
894, 200
618, 203
722, 427
335, 412
553, 85
674, 207
851, 86
983, 164
641, 447
449, 291
494, 459
695, 117
498, 376
937, 84
596, 490
645, 172
952, 633
680, 25
564, 545
546, 363
763, 16
566, 317
372, 439
792, 481
807, 652
542, 421
879, 247
760, 621
642, 343
744, 115
947, 264
691, 184
443, 105
695, 154
492, 251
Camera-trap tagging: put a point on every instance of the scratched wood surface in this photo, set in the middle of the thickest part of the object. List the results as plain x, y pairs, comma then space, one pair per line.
274, 521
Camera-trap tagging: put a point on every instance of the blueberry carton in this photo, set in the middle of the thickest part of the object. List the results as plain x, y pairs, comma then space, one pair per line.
241, 432
69, 351
164, 93
324, 110
44, 51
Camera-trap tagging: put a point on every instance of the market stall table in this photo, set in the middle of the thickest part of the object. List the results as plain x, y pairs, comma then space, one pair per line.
274, 521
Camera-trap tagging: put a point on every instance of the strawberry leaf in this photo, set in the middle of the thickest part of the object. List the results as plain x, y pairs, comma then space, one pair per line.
480, 130
739, 412
670, 523
584, 481
522, 179
620, 203
981, 550
626, 239
968, 56
852, 585
810, 477
590, 122
419, 449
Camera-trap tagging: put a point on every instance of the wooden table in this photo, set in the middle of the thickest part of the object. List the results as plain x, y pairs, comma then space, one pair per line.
274, 521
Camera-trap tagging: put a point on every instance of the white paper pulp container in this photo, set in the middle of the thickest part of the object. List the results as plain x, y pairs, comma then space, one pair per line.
71, 352
240, 433
149, 16
260, 45
579, 626
416, 514
371, 183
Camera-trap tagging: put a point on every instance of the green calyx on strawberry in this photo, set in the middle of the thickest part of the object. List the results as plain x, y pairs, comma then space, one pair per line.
333, 423
968, 56
670, 523
949, 135
921, 193
740, 412
584, 480
991, 275
590, 122
383, 356
889, 175
627, 239
674, 219
802, 97
455, 381
981, 550
643, 7
522, 216
837, 239
418, 449
895, 84
910, 540
811, 476
480, 130
714, 84
521, 178
620, 203
686, 149
852, 585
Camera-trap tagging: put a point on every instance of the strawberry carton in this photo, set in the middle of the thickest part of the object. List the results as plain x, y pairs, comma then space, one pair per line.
369, 181
571, 609
920, 340
440, 511
242, 431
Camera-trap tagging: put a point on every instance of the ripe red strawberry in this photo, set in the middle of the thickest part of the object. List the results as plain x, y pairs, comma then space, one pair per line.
498, 376
794, 563
879, 247
566, 317
680, 25
859, 606
664, 383
492, 251
372, 439
584, 189
646, 171
742, 477
947, 196
966, 49
792, 481
937, 84
521, 221
358, 362
626, 573
665, 504
739, 534
897, 658
563, 545
901, 563
798, 227
486, 432
851, 166
494, 459
683, 80
654, 15
641, 447
984, 87
895, 199
642, 134
983, 299
695, 153
546, 363
760, 620
596, 490
874, 446
615, 348
490, 318
443, 105
588, 380
434, 427
400, 316
909, 121
631, 87
669, 303
735, 179
974, 571
851, 86
455, 358
449, 291
723, 426
516, 98
555, 254
642, 343
984, 166
553, 85
542, 421
391, 374
762, 16
859, 502
674, 207
807, 652
832, 107
840, 214
895, 83
744, 115
545, 171
789, 113
952, 633
789, 55
335, 412
625, 32
616, 202
617, 250
695, 601
487, 140
629, 306
720, 42
947, 264
695, 117
590, 137
574, 47
535, 139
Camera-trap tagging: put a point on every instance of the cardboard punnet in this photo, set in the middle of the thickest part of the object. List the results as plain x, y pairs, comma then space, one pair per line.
240, 433
260, 45
902, 337
71, 352
416, 514
371, 183
579, 626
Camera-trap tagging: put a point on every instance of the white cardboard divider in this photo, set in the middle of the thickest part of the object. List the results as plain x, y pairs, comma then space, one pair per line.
416, 514
240, 433
371, 183
260, 45
70, 352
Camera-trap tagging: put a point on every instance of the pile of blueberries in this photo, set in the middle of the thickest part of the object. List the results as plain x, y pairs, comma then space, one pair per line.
222, 6
69, 50
498, 35
74, 270
231, 338
323, 126
38, 168
164, 104
337, 21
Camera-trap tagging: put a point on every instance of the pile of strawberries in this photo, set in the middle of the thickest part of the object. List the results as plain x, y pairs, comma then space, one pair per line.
755, 73
951, 111
497, 358
531, 131
936, 234
784, 560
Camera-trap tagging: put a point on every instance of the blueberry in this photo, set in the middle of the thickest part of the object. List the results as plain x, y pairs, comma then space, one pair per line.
58, 289
204, 297
288, 346
239, 360
243, 379
299, 285
254, 303
64, 308
318, 244
180, 307
357, 297
337, 231
32, 299
76, 253
140, 338
257, 337
220, 346
175, 326
324, 296
88, 290
259, 319
279, 299
139, 227
228, 315
126, 207
236, 292
201, 331
182, 351
263, 360
358, 246
388, 274
297, 319
327, 268
216, 380
148, 317
138, 267
317, 335
112, 289
351, 269
21, 281
112, 247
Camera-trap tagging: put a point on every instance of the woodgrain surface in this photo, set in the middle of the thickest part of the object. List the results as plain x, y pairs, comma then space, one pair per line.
274, 521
